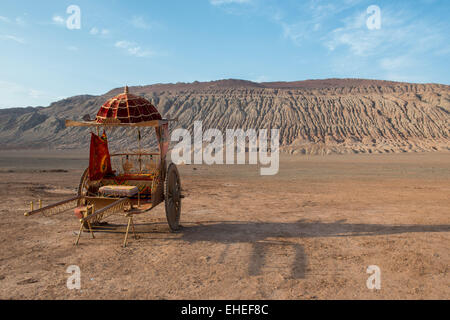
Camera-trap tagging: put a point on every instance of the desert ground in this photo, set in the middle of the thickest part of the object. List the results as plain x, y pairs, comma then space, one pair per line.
310, 232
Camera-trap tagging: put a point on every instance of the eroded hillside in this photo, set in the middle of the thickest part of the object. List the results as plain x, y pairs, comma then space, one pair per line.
314, 116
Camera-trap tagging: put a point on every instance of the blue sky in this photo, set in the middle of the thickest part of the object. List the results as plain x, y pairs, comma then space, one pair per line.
144, 42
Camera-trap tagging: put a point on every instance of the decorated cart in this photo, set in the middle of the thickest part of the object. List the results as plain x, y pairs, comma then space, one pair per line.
127, 183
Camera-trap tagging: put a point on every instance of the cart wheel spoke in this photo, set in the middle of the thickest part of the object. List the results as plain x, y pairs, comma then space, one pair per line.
83, 190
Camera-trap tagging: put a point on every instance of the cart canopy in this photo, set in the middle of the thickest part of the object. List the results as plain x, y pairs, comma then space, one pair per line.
125, 109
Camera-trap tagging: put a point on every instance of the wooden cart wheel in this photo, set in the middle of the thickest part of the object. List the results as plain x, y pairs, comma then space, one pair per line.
172, 194
85, 189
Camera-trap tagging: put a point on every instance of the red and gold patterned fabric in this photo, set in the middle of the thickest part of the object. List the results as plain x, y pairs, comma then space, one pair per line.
99, 158
127, 108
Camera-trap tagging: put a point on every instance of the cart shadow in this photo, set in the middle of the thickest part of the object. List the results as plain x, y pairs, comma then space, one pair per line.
227, 232
120, 228
266, 238
261, 234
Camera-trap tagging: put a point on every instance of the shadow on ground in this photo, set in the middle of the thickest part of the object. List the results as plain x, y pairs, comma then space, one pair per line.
260, 235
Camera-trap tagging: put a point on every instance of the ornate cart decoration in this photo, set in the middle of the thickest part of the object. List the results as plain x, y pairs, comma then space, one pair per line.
130, 182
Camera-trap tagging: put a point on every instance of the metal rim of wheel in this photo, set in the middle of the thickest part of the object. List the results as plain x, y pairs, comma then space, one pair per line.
172, 195
84, 184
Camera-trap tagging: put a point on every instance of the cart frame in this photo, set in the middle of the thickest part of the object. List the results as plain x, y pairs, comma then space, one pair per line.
165, 186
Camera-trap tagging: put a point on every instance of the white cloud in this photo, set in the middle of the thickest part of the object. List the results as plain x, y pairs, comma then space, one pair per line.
17, 95
401, 50
295, 32
4, 19
406, 68
314, 16
399, 31
355, 35
301, 21
72, 48
18, 21
36, 94
222, 2
12, 38
133, 49
123, 44
261, 78
96, 31
140, 23
396, 63
58, 20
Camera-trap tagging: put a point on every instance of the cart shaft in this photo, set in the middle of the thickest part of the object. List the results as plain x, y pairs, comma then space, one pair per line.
56, 208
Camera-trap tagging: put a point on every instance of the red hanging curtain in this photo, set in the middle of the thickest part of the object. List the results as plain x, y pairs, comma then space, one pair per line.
99, 158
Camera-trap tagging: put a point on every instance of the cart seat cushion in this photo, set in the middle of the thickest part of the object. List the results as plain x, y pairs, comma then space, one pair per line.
119, 191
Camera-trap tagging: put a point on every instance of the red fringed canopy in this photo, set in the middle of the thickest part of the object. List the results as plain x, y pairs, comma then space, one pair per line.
127, 108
